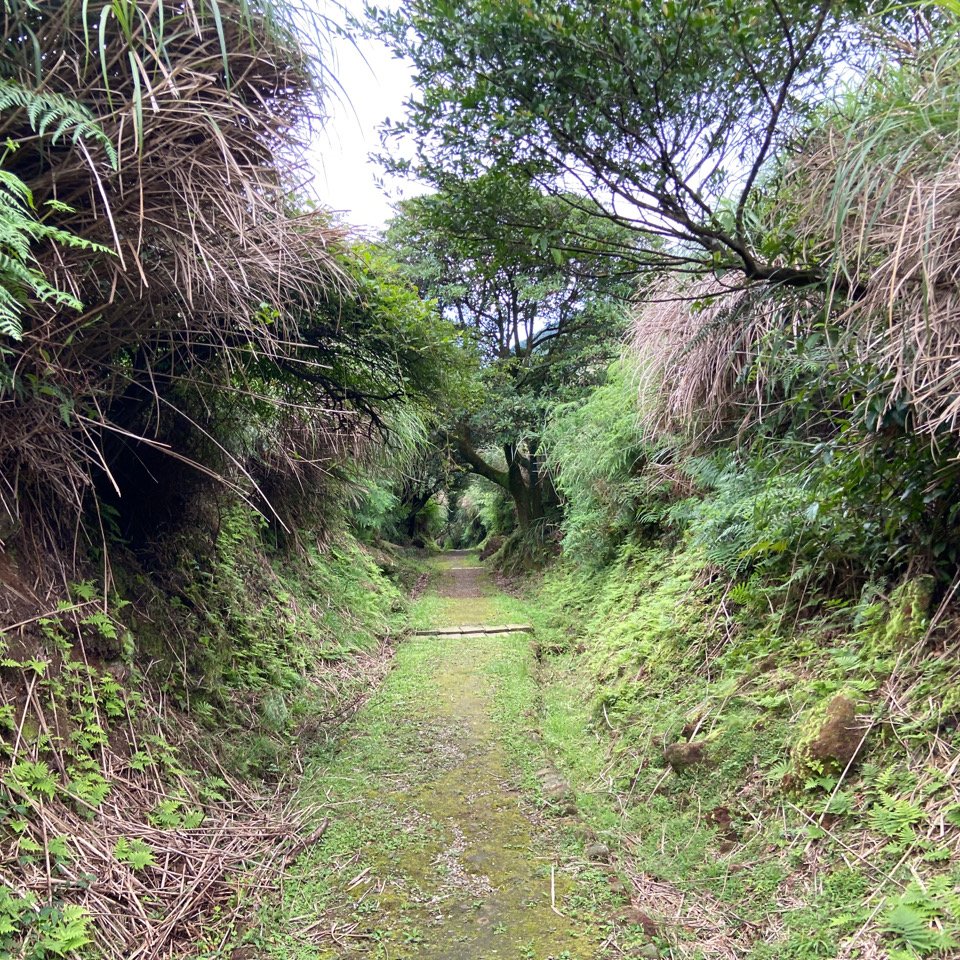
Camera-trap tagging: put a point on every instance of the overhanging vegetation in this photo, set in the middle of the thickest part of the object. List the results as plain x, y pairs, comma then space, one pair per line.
672, 333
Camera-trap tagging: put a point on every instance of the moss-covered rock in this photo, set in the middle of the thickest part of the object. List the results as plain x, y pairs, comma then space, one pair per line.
556, 792
831, 738
899, 621
683, 756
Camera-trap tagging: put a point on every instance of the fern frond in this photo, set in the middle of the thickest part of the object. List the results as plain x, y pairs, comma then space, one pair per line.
912, 926
923, 919
20, 279
893, 816
54, 116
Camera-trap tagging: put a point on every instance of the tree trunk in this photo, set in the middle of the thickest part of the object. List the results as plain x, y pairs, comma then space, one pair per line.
526, 489
518, 489
414, 505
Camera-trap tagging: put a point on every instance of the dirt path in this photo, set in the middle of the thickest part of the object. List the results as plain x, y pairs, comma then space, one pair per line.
460, 576
433, 851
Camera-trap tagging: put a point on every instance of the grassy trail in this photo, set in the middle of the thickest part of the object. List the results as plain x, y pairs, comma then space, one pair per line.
435, 848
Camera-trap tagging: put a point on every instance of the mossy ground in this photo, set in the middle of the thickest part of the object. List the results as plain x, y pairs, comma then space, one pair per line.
751, 854
439, 848
436, 848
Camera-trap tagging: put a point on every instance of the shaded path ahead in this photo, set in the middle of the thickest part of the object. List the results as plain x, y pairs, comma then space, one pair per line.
434, 855
460, 576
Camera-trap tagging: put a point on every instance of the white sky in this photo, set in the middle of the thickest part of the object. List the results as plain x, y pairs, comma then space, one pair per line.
374, 86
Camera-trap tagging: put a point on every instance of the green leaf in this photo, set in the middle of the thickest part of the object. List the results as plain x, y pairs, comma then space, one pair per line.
136, 853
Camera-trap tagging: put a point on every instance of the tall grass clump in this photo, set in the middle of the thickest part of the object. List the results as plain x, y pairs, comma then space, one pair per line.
882, 194
847, 395
161, 146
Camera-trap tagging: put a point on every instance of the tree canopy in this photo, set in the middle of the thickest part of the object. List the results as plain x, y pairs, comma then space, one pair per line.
667, 117
538, 284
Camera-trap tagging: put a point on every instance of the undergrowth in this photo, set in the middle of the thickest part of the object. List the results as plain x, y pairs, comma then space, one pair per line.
754, 671
276, 635
691, 718
146, 735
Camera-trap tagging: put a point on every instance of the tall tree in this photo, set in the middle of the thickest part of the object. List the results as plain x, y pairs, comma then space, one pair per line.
538, 284
666, 115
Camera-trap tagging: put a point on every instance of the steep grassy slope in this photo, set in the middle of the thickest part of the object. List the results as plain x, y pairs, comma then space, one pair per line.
778, 782
146, 737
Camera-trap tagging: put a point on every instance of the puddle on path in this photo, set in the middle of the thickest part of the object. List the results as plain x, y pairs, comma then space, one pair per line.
434, 856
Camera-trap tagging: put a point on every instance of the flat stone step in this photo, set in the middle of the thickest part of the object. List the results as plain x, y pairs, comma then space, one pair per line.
467, 630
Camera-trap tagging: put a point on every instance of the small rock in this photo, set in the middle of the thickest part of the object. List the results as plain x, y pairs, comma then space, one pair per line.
683, 756
554, 786
689, 729
556, 792
641, 919
597, 852
646, 950
617, 886
720, 817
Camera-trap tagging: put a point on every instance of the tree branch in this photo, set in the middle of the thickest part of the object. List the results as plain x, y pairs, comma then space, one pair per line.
466, 449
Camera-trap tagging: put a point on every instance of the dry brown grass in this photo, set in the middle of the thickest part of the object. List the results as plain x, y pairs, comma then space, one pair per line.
875, 197
201, 880
204, 880
698, 344
879, 198
211, 266
906, 243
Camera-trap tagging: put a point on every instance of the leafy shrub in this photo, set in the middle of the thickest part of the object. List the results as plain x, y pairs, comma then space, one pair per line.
613, 481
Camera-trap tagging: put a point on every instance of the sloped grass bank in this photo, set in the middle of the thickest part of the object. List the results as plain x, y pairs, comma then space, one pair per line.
776, 784
147, 736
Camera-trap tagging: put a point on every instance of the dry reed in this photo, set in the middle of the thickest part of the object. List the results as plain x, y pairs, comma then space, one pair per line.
212, 266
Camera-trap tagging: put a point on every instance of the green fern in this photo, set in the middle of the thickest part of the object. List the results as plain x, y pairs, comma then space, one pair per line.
135, 853
68, 929
54, 116
20, 279
911, 926
924, 918
32, 778
894, 817
747, 593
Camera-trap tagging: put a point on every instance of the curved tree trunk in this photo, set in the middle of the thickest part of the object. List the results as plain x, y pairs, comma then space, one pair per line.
523, 479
